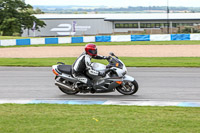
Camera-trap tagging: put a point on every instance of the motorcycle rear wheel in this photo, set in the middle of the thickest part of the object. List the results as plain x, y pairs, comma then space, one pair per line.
68, 92
129, 88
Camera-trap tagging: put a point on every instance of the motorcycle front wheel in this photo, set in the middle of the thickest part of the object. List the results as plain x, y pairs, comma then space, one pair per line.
129, 88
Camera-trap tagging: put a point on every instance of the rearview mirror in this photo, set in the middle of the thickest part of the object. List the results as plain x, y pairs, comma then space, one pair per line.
112, 54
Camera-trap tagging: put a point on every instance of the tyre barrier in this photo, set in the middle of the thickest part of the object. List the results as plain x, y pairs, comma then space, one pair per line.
112, 38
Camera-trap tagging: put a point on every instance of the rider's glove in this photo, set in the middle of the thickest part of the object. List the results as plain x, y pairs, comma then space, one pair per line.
107, 57
102, 74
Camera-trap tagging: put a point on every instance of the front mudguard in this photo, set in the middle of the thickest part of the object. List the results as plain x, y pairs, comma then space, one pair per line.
128, 78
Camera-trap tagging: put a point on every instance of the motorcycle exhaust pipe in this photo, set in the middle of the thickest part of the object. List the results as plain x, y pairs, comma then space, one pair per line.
63, 86
104, 91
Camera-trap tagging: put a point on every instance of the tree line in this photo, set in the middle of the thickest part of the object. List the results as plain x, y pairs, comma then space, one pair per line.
67, 9
16, 16
141, 8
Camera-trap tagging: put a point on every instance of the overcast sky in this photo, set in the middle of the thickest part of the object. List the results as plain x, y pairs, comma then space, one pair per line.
116, 3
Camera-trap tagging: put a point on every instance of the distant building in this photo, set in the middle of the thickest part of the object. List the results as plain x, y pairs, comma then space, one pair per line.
103, 24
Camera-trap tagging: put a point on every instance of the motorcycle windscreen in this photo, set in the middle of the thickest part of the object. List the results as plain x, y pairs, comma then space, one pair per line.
116, 63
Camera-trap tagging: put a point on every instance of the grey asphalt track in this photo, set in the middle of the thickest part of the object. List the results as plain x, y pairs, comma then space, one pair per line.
156, 84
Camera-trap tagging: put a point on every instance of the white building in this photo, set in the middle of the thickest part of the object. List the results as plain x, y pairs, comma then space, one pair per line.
98, 24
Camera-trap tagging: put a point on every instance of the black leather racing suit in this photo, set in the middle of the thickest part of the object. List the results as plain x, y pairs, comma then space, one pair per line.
83, 64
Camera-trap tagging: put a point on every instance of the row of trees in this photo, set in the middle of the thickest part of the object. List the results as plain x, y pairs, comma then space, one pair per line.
141, 8
15, 16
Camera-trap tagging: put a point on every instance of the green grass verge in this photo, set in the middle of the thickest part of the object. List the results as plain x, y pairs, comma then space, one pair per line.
129, 61
117, 43
44, 118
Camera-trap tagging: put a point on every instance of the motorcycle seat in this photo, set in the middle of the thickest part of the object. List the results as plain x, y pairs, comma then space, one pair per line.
65, 69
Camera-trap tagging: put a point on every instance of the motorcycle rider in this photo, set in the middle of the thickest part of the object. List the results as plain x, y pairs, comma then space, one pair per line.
83, 64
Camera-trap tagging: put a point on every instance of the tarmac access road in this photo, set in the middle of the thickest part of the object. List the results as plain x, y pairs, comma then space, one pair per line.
155, 84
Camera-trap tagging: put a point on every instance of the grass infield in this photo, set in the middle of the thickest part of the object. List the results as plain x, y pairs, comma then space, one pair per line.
44, 118
129, 61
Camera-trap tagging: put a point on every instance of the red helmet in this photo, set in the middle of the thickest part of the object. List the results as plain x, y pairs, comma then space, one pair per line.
91, 49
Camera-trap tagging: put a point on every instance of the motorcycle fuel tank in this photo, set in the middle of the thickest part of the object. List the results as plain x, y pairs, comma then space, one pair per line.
98, 67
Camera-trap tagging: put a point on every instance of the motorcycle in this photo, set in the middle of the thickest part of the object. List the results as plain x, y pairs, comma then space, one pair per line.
115, 78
